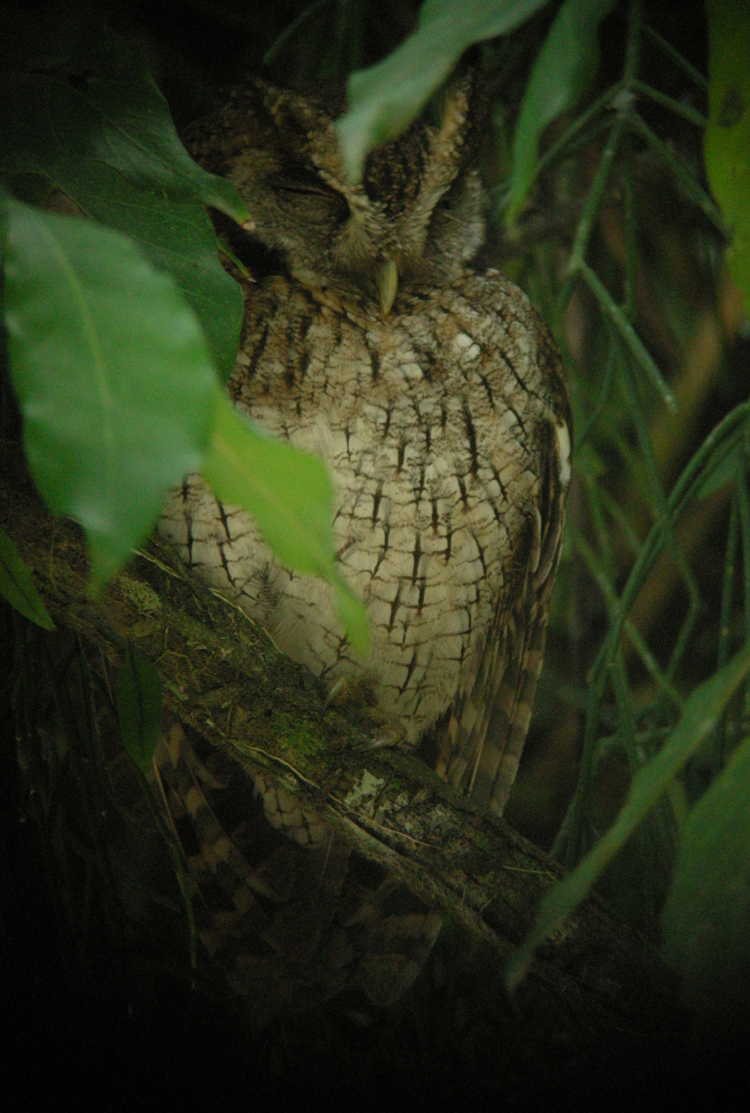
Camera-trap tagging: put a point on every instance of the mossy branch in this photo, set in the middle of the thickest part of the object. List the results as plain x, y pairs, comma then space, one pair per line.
224, 678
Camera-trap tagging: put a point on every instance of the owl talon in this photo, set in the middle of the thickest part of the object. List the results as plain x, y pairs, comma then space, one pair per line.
352, 690
396, 736
337, 693
374, 744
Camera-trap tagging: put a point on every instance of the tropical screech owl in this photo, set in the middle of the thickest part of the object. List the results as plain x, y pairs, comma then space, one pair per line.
435, 395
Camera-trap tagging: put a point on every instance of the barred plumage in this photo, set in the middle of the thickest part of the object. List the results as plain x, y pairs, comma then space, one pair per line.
436, 397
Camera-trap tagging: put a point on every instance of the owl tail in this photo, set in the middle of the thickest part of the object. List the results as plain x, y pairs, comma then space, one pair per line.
486, 734
289, 914
482, 744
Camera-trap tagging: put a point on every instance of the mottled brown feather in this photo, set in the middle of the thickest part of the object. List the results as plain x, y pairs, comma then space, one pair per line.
446, 428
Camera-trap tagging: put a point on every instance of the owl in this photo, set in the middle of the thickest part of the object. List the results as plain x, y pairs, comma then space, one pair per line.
435, 396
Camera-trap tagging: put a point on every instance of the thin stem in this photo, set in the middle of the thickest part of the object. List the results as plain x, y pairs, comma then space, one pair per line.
291, 30
723, 439
579, 124
719, 442
695, 607
594, 197
615, 315
600, 401
626, 720
686, 180
613, 607
673, 105
601, 532
171, 841
627, 734
676, 57
574, 824
631, 261
657, 491
632, 45
617, 513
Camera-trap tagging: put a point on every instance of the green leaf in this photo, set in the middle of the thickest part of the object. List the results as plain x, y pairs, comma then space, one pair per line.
385, 98
724, 470
17, 585
562, 71
706, 918
701, 713
89, 119
727, 140
138, 702
289, 494
112, 375
351, 613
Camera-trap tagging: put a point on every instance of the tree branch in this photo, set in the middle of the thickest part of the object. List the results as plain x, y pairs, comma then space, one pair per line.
223, 678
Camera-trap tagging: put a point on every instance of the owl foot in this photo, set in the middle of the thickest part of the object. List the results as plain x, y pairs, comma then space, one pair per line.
359, 690
394, 735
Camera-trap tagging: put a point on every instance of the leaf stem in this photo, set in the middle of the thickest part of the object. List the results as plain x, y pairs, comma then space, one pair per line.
676, 57
673, 105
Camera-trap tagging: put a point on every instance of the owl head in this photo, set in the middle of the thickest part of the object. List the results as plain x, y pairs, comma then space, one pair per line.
415, 217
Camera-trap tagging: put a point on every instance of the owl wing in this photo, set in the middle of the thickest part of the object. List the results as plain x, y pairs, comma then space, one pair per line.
487, 727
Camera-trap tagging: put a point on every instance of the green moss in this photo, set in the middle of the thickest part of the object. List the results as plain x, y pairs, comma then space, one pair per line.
302, 736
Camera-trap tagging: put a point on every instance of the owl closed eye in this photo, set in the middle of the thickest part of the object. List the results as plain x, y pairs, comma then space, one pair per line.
416, 212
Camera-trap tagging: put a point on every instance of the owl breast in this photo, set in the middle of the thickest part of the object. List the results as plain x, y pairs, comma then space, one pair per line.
439, 425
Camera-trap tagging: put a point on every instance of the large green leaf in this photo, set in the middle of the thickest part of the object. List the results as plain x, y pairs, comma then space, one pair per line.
79, 108
727, 141
17, 586
112, 375
385, 98
699, 717
561, 73
706, 918
290, 496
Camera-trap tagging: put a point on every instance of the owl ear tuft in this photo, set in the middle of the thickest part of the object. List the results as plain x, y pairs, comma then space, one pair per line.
305, 129
453, 143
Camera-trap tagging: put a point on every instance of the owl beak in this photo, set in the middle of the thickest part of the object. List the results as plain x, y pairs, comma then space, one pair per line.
386, 280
